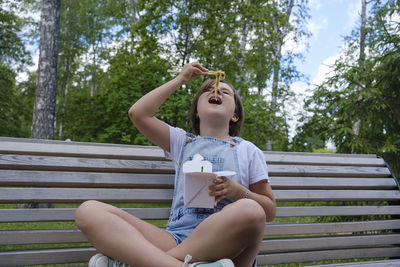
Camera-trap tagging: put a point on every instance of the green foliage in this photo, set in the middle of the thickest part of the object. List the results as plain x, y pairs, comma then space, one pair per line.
8, 102
129, 80
321, 150
112, 53
16, 104
12, 47
366, 93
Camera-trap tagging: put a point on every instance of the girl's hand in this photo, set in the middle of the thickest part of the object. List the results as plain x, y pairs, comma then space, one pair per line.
191, 71
224, 187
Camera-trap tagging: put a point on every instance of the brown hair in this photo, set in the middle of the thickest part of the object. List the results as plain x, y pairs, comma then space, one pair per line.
234, 127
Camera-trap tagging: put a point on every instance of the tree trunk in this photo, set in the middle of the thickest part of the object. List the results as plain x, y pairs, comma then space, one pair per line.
361, 59
46, 83
277, 64
66, 91
43, 123
242, 45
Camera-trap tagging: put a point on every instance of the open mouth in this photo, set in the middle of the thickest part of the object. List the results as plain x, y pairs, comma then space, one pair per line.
215, 100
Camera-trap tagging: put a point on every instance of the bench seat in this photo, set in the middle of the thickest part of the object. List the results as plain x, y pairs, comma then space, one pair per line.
330, 206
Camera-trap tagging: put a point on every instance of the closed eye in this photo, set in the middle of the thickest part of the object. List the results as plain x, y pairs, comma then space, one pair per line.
227, 92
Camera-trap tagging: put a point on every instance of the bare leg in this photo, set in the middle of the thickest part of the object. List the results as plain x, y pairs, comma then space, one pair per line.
124, 237
235, 232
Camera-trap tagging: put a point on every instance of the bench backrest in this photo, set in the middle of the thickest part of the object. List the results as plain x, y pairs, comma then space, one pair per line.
330, 206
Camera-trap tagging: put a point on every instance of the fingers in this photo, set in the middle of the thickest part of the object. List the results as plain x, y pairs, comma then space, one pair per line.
221, 189
200, 67
195, 68
191, 71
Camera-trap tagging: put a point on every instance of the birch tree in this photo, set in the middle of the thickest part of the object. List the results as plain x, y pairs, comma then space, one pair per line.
45, 97
285, 23
361, 58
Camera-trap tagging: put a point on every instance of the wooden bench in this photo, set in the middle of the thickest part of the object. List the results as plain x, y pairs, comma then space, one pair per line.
330, 206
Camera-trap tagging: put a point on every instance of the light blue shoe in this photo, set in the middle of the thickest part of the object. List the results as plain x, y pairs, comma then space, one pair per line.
100, 260
220, 263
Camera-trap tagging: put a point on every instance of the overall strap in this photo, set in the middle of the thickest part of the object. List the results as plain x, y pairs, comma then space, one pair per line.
189, 137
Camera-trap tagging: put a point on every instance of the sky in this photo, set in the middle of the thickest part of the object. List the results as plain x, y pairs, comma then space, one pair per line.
330, 22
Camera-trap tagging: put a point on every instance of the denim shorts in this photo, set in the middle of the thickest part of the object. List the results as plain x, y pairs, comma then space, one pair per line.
183, 222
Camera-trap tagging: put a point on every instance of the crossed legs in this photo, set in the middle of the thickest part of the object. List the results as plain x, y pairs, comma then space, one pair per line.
235, 232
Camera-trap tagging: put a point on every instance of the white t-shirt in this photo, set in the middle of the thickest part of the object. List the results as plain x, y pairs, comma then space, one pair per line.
252, 164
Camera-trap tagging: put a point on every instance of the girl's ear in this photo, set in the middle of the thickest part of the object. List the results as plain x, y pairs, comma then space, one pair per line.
235, 118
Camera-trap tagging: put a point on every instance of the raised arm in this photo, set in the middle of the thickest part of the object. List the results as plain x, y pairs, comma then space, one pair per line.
143, 111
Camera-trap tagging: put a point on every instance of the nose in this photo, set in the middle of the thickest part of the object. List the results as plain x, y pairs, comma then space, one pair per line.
218, 91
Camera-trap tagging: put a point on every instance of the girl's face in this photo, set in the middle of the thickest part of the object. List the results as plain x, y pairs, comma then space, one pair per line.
221, 107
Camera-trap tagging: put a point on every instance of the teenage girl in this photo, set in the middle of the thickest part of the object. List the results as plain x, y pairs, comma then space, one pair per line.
227, 235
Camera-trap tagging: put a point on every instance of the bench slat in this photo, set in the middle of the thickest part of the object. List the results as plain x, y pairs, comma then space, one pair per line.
99, 179
332, 183
310, 256
382, 263
101, 150
71, 255
88, 179
23, 162
17, 215
41, 237
330, 228
78, 149
67, 214
336, 195
327, 171
75, 236
337, 211
68, 195
328, 242
139, 180
300, 158
46, 256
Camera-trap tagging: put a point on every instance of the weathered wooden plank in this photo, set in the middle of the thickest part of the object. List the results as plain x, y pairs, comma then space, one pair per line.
336, 195
382, 263
327, 242
85, 179
24, 162
327, 171
310, 256
24, 146
46, 256
302, 158
69, 195
101, 150
332, 183
337, 211
329, 228
67, 214
155, 180
75, 236
41, 237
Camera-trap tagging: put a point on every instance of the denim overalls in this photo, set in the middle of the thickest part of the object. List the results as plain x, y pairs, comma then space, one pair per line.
223, 155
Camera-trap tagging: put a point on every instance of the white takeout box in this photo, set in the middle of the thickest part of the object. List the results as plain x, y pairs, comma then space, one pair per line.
198, 177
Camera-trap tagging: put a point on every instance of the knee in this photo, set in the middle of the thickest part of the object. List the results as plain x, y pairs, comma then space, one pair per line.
250, 213
84, 213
